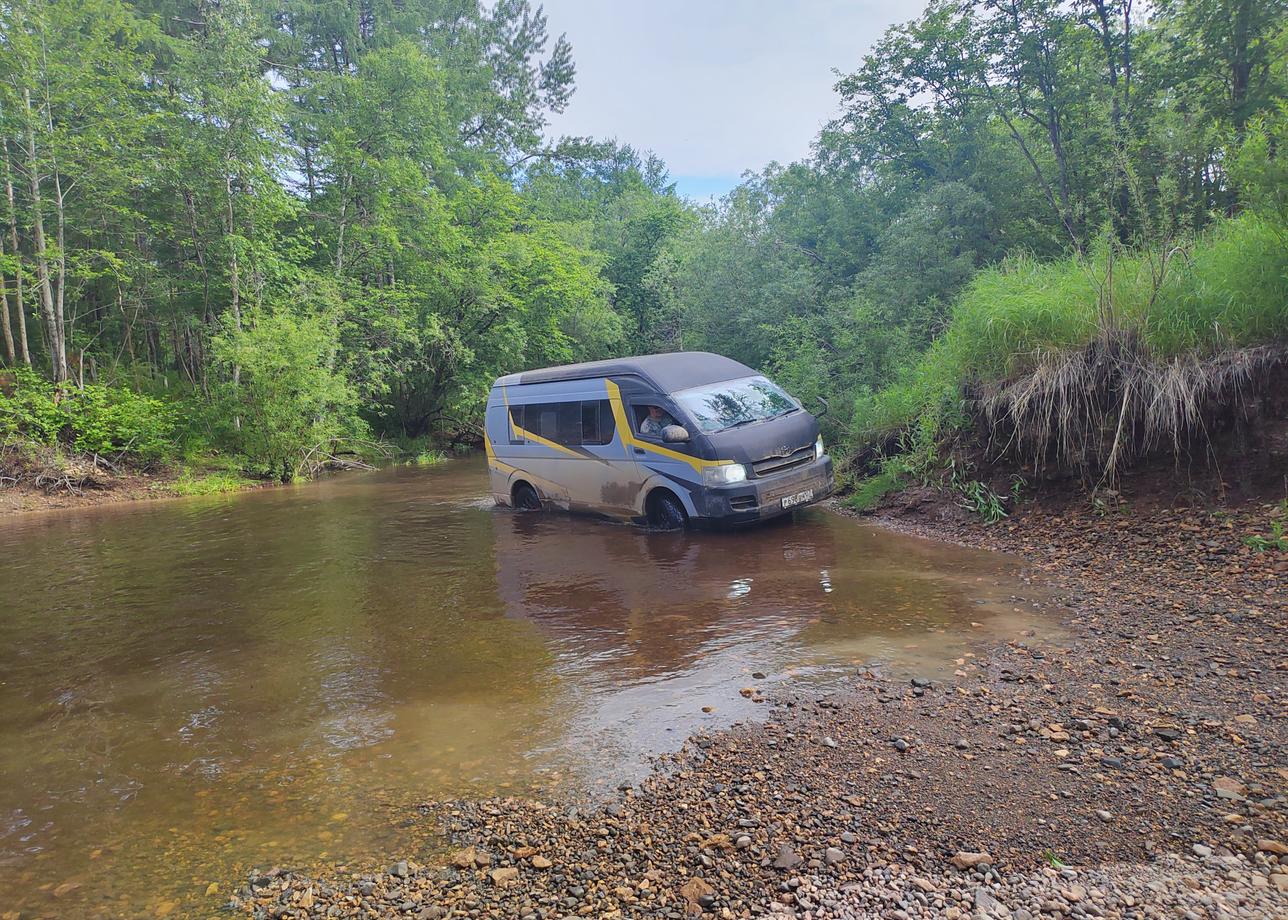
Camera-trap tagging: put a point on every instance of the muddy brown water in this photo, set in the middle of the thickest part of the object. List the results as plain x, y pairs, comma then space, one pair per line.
192, 688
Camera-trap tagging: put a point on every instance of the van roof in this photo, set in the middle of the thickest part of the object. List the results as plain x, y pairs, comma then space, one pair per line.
676, 370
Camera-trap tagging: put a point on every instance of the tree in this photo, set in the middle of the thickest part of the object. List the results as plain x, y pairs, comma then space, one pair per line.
292, 401
72, 82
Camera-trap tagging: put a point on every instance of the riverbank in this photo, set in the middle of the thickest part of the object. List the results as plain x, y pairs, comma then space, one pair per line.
83, 483
1136, 767
95, 486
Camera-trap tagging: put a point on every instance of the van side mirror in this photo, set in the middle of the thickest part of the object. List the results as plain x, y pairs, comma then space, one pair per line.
675, 434
822, 402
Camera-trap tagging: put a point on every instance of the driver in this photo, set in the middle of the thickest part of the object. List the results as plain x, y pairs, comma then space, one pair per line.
657, 419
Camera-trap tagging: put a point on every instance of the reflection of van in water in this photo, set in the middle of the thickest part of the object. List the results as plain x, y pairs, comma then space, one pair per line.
668, 439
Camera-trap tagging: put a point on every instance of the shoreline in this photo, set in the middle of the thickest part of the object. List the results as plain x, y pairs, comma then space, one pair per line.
1092, 775
125, 488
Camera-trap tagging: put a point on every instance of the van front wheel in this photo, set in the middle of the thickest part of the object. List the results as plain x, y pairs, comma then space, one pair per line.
665, 511
526, 498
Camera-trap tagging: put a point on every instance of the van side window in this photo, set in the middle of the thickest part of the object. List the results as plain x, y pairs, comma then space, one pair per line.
568, 423
516, 425
558, 422
597, 424
651, 427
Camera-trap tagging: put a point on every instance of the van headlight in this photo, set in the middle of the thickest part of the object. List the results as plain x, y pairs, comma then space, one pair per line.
818, 448
724, 474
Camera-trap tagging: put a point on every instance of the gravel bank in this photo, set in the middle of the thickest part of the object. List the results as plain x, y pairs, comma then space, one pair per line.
1134, 769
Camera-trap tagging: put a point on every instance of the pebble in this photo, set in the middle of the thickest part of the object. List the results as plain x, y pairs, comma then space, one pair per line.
787, 858
504, 876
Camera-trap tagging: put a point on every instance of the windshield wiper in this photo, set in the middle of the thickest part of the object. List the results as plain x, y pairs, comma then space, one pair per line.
740, 423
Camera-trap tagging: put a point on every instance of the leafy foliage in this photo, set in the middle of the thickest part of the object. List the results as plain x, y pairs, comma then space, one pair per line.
1278, 537
108, 421
289, 223
290, 400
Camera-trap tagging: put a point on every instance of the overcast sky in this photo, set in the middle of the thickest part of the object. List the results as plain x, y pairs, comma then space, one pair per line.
714, 87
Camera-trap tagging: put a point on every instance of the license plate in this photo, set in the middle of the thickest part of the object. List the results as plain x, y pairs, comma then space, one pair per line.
800, 498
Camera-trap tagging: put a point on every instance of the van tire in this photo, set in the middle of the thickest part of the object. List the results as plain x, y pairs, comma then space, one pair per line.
665, 512
525, 498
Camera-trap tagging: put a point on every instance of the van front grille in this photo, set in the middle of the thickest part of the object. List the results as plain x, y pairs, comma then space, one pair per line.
779, 464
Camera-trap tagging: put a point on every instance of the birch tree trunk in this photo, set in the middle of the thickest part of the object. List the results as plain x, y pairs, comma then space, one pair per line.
5, 328
234, 279
53, 328
24, 351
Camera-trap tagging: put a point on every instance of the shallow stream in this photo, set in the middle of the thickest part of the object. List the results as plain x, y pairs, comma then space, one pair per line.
190, 688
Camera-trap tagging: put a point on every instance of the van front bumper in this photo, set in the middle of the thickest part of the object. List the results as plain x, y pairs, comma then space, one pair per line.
761, 499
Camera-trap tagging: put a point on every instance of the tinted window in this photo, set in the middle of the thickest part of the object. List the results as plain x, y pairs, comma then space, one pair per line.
516, 423
597, 424
569, 423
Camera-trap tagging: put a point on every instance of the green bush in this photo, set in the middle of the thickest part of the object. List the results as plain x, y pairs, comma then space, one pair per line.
291, 404
103, 420
30, 412
428, 458
871, 490
113, 420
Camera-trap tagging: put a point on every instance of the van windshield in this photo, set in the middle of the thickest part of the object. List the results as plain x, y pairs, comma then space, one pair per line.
730, 403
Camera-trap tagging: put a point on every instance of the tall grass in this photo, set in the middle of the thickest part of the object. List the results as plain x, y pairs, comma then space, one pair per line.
1226, 289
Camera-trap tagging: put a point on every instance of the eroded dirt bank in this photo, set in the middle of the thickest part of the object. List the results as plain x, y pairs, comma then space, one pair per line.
1137, 768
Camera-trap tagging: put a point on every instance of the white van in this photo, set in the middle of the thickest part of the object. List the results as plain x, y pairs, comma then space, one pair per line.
669, 440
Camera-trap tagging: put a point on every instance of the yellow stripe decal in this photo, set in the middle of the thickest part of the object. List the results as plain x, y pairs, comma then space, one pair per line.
492, 462
529, 436
629, 439
509, 420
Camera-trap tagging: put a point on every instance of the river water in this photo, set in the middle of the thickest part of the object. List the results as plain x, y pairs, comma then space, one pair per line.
191, 688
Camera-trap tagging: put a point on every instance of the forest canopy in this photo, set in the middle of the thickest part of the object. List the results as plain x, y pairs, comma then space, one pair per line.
293, 222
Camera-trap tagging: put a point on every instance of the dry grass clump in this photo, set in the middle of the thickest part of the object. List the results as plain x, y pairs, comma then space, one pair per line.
1098, 408
51, 470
